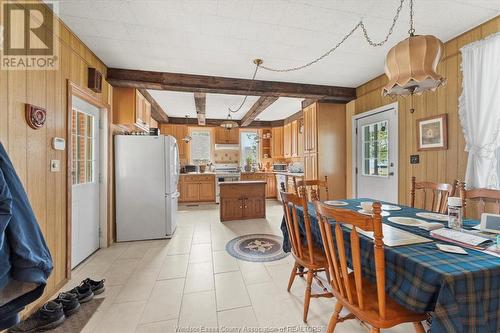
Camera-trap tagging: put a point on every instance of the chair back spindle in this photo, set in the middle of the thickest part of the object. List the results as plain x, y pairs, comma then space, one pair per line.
483, 196
291, 203
438, 193
346, 285
315, 184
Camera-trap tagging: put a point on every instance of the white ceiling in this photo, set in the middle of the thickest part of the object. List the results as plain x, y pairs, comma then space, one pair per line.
180, 104
221, 37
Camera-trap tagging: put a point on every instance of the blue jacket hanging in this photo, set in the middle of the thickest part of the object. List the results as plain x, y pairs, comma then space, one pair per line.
25, 261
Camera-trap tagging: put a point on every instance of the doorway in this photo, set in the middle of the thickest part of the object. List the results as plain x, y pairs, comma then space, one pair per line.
375, 171
85, 174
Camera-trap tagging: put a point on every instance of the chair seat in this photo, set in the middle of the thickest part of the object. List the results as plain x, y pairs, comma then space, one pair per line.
318, 255
395, 313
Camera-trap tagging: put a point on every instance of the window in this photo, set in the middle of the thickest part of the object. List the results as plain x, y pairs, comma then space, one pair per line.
375, 149
82, 141
249, 145
200, 146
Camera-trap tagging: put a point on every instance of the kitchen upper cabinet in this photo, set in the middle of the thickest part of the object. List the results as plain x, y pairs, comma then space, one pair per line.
324, 146
287, 140
277, 142
224, 136
294, 139
178, 132
310, 129
153, 123
131, 110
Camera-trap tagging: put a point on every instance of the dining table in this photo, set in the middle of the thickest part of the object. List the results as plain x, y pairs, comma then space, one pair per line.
460, 292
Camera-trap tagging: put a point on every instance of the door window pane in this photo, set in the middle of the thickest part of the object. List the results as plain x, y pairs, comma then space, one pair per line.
375, 143
82, 143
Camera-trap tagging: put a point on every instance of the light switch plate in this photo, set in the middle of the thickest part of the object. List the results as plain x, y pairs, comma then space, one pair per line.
55, 165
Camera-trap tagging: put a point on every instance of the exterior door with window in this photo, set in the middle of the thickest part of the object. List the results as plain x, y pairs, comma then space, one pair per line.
377, 156
85, 175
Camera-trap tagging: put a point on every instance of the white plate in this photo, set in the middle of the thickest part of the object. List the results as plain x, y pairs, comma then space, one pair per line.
407, 221
369, 213
390, 207
433, 216
336, 203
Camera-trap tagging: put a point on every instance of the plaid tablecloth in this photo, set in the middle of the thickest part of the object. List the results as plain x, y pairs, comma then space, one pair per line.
462, 292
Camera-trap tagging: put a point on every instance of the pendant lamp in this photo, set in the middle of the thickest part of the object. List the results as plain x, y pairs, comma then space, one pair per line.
411, 66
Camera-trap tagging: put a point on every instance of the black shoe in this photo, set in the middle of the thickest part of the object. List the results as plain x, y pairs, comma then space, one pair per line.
83, 292
96, 286
49, 316
69, 303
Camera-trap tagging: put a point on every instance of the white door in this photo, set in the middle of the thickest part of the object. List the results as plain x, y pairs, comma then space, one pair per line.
85, 175
377, 154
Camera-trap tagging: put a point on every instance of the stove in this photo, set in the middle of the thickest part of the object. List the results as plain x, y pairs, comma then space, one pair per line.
225, 173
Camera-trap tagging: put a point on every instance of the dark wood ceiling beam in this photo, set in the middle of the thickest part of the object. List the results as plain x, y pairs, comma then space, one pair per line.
217, 122
260, 105
223, 85
200, 101
157, 111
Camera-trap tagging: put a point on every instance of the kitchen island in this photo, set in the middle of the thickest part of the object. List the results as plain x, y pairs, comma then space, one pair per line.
241, 200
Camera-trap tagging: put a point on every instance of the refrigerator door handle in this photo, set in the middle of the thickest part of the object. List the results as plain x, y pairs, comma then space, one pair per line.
175, 195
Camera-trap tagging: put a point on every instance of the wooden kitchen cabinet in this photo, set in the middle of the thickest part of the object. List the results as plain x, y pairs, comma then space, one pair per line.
196, 188
287, 140
268, 177
325, 147
294, 139
224, 136
178, 132
242, 200
310, 129
277, 142
131, 110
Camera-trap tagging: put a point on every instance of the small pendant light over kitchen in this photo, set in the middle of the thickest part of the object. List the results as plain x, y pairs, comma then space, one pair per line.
229, 123
411, 65
187, 138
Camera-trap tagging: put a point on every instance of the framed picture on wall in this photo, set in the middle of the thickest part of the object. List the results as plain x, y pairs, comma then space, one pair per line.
432, 133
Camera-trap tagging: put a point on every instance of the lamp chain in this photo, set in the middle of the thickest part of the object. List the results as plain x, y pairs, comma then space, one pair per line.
360, 24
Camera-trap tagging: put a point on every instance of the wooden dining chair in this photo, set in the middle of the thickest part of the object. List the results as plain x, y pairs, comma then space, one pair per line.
438, 193
317, 185
482, 196
365, 300
309, 259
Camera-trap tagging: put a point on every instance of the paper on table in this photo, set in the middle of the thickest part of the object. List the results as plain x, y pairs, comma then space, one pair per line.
458, 236
395, 236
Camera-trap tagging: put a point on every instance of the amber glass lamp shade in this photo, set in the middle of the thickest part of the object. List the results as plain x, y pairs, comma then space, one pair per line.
411, 66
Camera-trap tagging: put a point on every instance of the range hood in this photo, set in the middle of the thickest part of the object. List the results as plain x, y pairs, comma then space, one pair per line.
229, 146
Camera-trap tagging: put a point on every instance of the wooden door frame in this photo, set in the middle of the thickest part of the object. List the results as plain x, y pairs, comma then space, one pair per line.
354, 145
92, 98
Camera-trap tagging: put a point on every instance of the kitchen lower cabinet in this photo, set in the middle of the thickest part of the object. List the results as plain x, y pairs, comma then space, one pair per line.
197, 188
242, 200
268, 177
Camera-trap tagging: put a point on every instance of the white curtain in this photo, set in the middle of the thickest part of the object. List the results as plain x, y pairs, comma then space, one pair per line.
479, 110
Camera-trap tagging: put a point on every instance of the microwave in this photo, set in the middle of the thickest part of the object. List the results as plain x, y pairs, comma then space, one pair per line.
280, 167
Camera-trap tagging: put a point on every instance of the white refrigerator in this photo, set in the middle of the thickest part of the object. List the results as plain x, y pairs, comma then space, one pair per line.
146, 178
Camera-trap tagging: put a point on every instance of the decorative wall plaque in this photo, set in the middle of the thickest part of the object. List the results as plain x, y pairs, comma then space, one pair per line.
95, 80
35, 116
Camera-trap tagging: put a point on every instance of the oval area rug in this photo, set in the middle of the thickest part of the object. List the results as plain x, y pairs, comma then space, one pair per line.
256, 248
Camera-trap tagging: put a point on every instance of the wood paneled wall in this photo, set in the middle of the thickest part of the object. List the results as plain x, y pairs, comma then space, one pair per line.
438, 166
31, 151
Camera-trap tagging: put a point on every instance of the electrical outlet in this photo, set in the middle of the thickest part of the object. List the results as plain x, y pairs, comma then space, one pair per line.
414, 159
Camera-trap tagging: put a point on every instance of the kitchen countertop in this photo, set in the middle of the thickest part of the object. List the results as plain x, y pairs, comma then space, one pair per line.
197, 173
244, 182
286, 173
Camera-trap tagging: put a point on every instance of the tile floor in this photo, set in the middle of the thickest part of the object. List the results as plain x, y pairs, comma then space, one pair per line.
190, 283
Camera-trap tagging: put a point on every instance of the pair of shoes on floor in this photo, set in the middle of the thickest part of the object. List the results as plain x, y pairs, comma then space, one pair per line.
87, 289
53, 313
